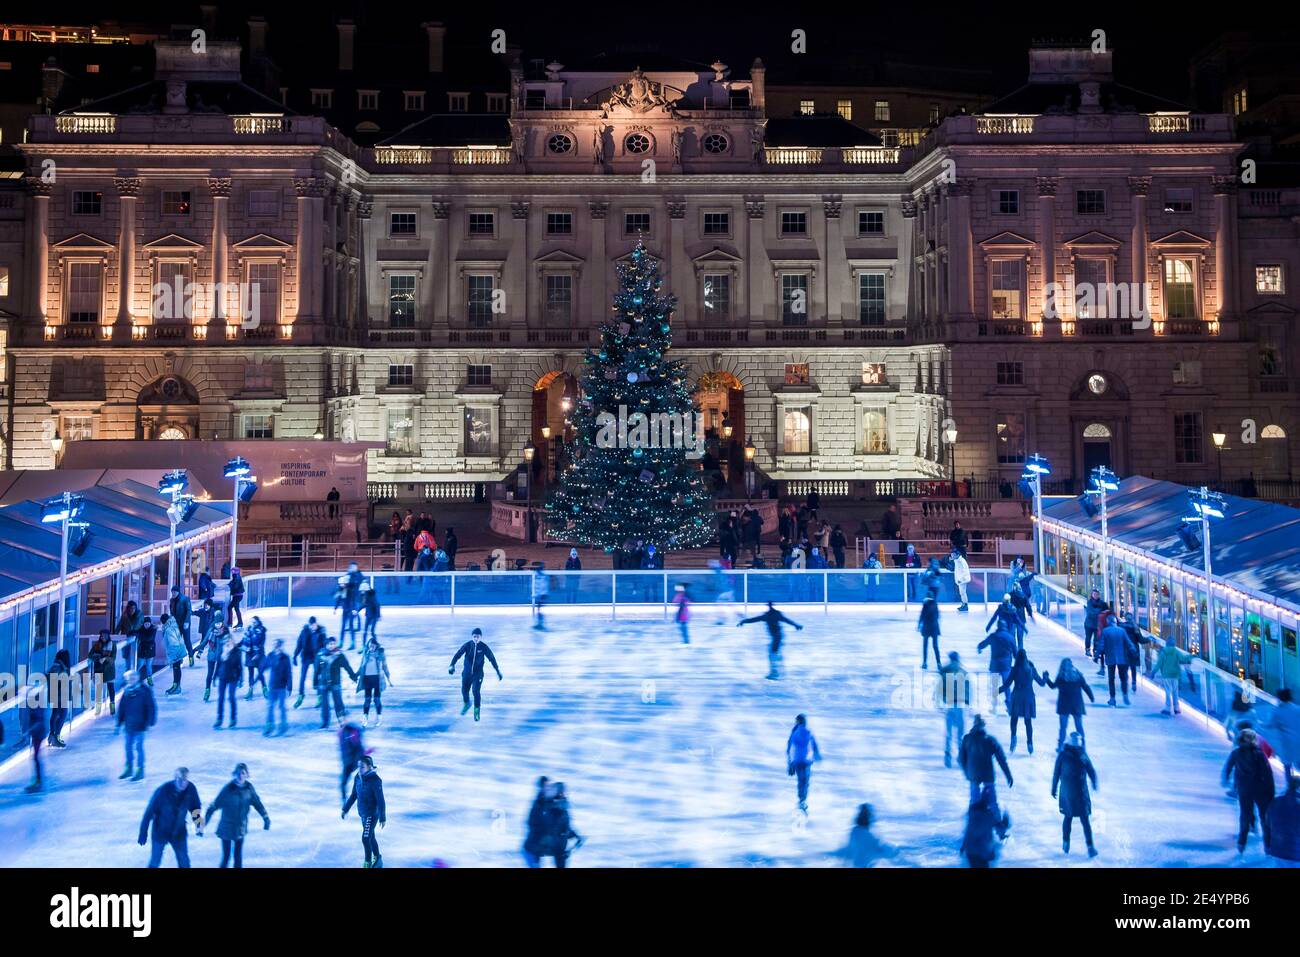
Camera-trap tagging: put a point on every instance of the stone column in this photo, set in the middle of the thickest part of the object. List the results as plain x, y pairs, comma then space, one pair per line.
521, 256
308, 243
1139, 186
960, 268
128, 187
833, 257
369, 290
758, 267
1225, 214
907, 255
1047, 244
39, 244
442, 278
679, 275
219, 187
599, 271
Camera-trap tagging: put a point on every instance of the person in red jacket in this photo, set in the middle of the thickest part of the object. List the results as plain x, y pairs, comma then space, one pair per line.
683, 615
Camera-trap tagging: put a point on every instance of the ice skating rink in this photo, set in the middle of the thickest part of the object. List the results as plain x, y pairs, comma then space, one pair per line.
673, 755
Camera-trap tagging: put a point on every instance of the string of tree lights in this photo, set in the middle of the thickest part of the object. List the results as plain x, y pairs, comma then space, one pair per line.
644, 486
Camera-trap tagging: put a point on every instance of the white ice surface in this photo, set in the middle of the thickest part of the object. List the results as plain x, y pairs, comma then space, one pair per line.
673, 755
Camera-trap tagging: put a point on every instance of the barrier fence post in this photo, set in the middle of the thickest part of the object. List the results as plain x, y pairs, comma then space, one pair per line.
665, 594
453, 593
986, 590
826, 593
745, 576
905, 595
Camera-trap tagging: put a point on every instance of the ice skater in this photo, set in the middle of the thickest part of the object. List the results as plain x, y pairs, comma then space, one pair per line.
60, 684
311, 640
1002, 650
683, 613
34, 724
475, 652
725, 592
370, 603
254, 648
352, 748
979, 751
138, 713
234, 801
986, 829
176, 650
349, 599
374, 678
230, 675
182, 612
864, 848
953, 696
1253, 776
1006, 618
1071, 775
773, 619
103, 665
330, 662
928, 626
1019, 688
368, 795
1117, 646
1091, 617
960, 577
535, 839
1169, 667
146, 649
164, 818
541, 589
1071, 687
550, 827
277, 678
214, 643
800, 752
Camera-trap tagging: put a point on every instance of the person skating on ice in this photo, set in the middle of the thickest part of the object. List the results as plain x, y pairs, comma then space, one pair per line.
1019, 688
682, 615
33, 723
370, 604
1002, 652
352, 747
234, 802
374, 678
137, 714
1071, 687
953, 696
368, 795
1117, 647
254, 648
541, 589
864, 848
182, 610
801, 751
165, 816
1071, 775
277, 678
979, 752
986, 828
214, 643
310, 642
175, 650
330, 663
773, 619
928, 626
1253, 776
59, 681
230, 675
146, 649
475, 652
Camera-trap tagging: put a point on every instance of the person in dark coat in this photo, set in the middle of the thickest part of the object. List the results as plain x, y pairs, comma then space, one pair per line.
557, 827
838, 544
139, 713
230, 675
1117, 648
979, 751
330, 663
984, 820
277, 676
207, 588
351, 748
60, 681
103, 665
1253, 776
368, 796
234, 801
1070, 686
1007, 617
957, 538
128, 623
1071, 775
773, 619
953, 696
370, 605
928, 626
310, 642
1002, 651
236, 598
475, 652
450, 545
1019, 688
1091, 615
535, 840
182, 610
253, 647
146, 649
165, 816
214, 643
34, 725
1283, 822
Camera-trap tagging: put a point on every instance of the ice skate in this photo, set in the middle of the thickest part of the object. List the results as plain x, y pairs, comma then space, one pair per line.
174, 689
124, 775
138, 776
1065, 846
207, 693
465, 709
476, 714
1126, 704
33, 787
298, 701
1092, 851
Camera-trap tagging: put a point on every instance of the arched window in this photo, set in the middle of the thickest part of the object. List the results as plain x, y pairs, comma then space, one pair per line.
1096, 431
1276, 453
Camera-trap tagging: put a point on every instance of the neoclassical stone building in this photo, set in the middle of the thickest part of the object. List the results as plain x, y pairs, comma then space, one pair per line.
840, 302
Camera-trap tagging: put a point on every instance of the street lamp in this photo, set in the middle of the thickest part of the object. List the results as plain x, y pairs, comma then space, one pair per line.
245, 488
1219, 438
529, 452
1036, 466
56, 446
173, 485
750, 452
950, 437
65, 511
1206, 505
1104, 481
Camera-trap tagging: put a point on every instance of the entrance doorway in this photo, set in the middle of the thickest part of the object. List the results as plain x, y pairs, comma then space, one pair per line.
1096, 447
721, 399
552, 433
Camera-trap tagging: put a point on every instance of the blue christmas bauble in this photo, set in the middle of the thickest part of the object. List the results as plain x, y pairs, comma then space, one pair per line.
632, 377
637, 453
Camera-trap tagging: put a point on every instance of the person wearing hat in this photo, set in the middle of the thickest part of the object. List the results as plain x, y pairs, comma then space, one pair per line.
1070, 777
234, 802
368, 796
1254, 780
146, 649
165, 815
475, 651
953, 695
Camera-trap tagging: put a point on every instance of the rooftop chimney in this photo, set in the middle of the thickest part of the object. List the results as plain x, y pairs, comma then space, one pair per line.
52, 79
758, 77
437, 32
256, 36
347, 34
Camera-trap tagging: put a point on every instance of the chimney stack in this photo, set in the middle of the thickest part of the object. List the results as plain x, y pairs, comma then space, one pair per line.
758, 76
347, 35
52, 79
437, 32
256, 36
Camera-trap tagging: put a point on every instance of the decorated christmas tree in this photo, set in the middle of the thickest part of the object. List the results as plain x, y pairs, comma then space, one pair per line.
639, 435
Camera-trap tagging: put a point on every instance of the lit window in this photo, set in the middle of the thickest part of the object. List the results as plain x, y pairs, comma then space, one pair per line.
173, 297
717, 295
871, 222
798, 431
4, 281
87, 203
401, 301
85, 291
807, 107
1180, 289
882, 111
1090, 288
479, 439
1090, 202
399, 430
844, 108
875, 432
402, 223
1268, 279
77, 428
401, 375
794, 223
92, 67
873, 373
634, 223
479, 290
458, 102
258, 426
1239, 101
794, 299
1010, 435
1008, 285
936, 114
871, 298
264, 281
176, 202
796, 373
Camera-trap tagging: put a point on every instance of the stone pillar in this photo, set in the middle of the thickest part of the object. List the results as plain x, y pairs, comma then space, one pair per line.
1139, 186
520, 255
1047, 244
219, 187
907, 255
369, 290
833, 257
960, 266
128, 187
308, 245
1225, 215
599, 271
679, 275
39, 244
758, 267
442, 279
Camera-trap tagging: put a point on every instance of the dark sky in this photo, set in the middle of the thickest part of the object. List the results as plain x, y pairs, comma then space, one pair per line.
1152, 44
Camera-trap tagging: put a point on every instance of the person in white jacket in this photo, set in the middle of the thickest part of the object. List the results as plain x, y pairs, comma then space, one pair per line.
960, 577
1283, 732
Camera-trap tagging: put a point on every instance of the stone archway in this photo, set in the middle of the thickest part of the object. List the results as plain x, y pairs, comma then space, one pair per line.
168, 407
554, 396
720, 396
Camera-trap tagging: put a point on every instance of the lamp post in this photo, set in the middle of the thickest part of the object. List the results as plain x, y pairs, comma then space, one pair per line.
1206, 505
245, 485
63, 510
750, 452
950, 437
1104, 481
529, 452
174, 485
1036, 466
1219, 439
56, 446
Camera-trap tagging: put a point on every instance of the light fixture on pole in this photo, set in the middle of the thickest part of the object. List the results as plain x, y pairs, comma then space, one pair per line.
1219, 439
56, 446
241, 472
950, 438
1104, 481
1206, 505
173, 485
65, 511
750, 452
1036, 466
529, 452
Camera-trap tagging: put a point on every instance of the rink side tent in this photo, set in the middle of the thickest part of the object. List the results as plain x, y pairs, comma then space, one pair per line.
1255, 561
126, 557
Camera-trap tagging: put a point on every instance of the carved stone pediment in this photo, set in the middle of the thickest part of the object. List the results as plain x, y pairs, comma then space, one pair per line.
639, 95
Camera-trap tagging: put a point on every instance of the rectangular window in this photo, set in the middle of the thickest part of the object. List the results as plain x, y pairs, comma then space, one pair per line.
322, 99
1090, 292
873, 373
534, 99
263, 203
265, 278
482, 224
479, 289
794, 299
1180, 289
1011, 438
798, 430
87, 202
176, 202
1187, 438
4, 281
85, 291
177, 303
794, 223
796, 373
871, 222
401, 375
403, 223
1008, 202
807, 107
1268, 279
634, 223
458, 102
559, 224
1187, 372
717, 224
77, 428
882, 111
875, 432
258, 426
478, 375
1178, 199
1008, 289
479, 439
1090, 202
496, 102
1011, 373
717, 295
413, 101
844, 108
936, 114
559, 298
1272, 364
401, 300
871, 298
399, 430
1239, 101
367, 99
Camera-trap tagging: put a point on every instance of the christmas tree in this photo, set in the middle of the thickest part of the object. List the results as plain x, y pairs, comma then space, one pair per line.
639, 435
